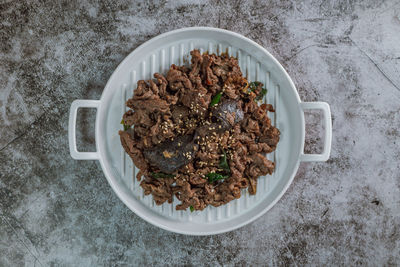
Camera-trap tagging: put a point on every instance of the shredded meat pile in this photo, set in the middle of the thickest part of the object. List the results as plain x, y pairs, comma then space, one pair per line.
198, 133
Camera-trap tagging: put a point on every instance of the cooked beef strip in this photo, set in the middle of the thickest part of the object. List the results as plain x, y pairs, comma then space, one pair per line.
179, 113
177, 79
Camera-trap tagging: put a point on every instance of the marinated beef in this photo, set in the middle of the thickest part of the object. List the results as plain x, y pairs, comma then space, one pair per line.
194, 145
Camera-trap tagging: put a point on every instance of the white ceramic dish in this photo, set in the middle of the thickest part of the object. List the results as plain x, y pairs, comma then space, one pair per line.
156, 55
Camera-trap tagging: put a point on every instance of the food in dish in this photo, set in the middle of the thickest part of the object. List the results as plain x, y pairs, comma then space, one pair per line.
198, 133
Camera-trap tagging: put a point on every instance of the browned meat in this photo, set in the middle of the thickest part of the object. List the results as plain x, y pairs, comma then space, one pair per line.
137, 117
204, 130
231, 91
197, 60
261, 165
260, 147
134, 153
177, 79
144, 91
250, 107
195, 99
253, 186
186, 149
179, 113
252, 126
162, 84
209, 77
270, 136
149, 105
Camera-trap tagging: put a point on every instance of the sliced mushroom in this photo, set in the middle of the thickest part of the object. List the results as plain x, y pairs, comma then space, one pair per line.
229, 112
171, 155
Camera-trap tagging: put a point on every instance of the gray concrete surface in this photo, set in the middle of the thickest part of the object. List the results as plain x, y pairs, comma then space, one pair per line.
55, 211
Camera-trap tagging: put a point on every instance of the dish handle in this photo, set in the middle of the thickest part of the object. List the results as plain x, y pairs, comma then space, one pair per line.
328, 131
75, 154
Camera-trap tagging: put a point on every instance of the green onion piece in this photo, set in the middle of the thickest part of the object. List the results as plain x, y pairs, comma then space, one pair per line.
213, 177
191, 208
126, 127
223, 164
158, 175
261, 94
216, 99
253, 86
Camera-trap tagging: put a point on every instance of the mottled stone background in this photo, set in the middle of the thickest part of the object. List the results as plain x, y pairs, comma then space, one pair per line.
60, 212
